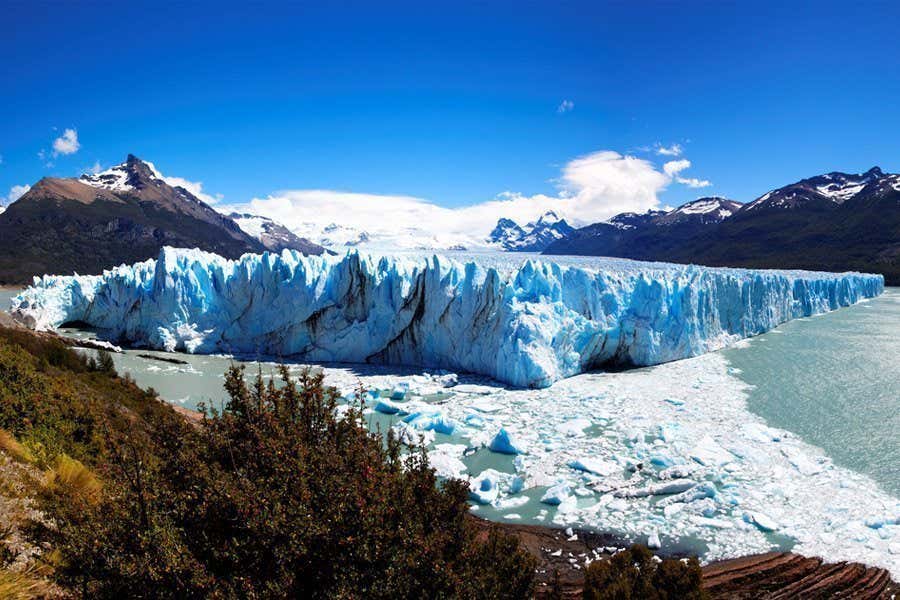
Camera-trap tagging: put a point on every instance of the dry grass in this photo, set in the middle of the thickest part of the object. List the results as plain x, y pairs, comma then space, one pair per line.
23, 586
70, 476
11, 446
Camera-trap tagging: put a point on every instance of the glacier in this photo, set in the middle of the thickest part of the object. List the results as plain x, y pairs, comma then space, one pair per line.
527, 323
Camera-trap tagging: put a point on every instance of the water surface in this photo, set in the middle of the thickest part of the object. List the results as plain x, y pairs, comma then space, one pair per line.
834, 379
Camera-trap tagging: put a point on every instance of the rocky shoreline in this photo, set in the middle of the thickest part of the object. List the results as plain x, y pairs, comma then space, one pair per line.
773, 576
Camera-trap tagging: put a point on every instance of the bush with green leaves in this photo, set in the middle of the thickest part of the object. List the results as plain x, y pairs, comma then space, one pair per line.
276, 496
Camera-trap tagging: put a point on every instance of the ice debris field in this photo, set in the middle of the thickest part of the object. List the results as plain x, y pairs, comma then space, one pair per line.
527, 324
668, 456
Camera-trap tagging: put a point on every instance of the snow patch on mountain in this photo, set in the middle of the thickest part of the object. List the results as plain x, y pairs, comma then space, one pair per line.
631, 220
114, 179
252, 224
836, 187
706, 206
274, 236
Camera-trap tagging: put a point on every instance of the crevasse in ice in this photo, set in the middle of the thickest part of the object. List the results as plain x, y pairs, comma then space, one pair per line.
527, 325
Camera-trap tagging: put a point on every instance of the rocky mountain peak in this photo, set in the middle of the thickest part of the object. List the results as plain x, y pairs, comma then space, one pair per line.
133, 174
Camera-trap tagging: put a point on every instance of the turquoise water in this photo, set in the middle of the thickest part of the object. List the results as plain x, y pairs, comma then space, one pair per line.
835, 381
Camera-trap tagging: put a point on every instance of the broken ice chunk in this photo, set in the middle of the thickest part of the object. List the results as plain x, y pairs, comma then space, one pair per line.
473, 420
485, 488
762, 521
410, 436
400, 390
556, 494
445, 464
709, 453
698, 492
387, 407
675, 486
574, 427
677, 472
513, 502
505, 443
431, 420
595, 466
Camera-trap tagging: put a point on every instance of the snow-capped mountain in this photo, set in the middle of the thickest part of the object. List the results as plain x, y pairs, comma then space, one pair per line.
533, 237
506, 233
821, 191
274, 236
122, 215
649, 235
831, 222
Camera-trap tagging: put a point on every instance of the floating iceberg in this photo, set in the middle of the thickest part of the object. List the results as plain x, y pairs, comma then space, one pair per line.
526, 324
505, 443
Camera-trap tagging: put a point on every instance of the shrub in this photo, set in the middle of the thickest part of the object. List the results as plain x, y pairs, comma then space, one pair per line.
634, 574
104, 363
276, 497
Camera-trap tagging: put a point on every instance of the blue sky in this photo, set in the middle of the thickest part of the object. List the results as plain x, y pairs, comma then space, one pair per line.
454, 103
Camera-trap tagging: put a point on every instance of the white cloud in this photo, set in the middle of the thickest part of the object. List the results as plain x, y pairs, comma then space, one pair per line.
592, 188
94, 169
16, 192
674, 167
67, 143
565, 106
693, 182
606, 183
673, 150
44, 156
194, 187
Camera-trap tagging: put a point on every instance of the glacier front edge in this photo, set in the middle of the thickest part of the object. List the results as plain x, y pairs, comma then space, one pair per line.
527, 326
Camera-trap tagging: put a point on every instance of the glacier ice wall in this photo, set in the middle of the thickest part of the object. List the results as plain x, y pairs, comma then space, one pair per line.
527, 325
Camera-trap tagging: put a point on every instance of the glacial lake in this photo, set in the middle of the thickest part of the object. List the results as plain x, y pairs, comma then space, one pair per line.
834, 379
830, 381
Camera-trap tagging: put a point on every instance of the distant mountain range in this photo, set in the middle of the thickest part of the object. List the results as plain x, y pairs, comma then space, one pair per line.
832, 222
506, 235
533, 237
122, 215
654, 233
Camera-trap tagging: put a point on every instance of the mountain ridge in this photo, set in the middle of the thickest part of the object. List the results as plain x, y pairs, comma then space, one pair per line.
831, 222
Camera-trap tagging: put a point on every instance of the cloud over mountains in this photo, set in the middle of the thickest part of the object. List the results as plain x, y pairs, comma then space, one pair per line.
590, 188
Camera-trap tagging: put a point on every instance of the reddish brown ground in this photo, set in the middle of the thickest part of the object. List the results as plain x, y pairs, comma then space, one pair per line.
772, 576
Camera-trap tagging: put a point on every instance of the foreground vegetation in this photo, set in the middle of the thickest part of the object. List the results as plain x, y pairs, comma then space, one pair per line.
278, 494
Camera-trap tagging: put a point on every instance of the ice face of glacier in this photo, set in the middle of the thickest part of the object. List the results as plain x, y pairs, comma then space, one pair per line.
527, 325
